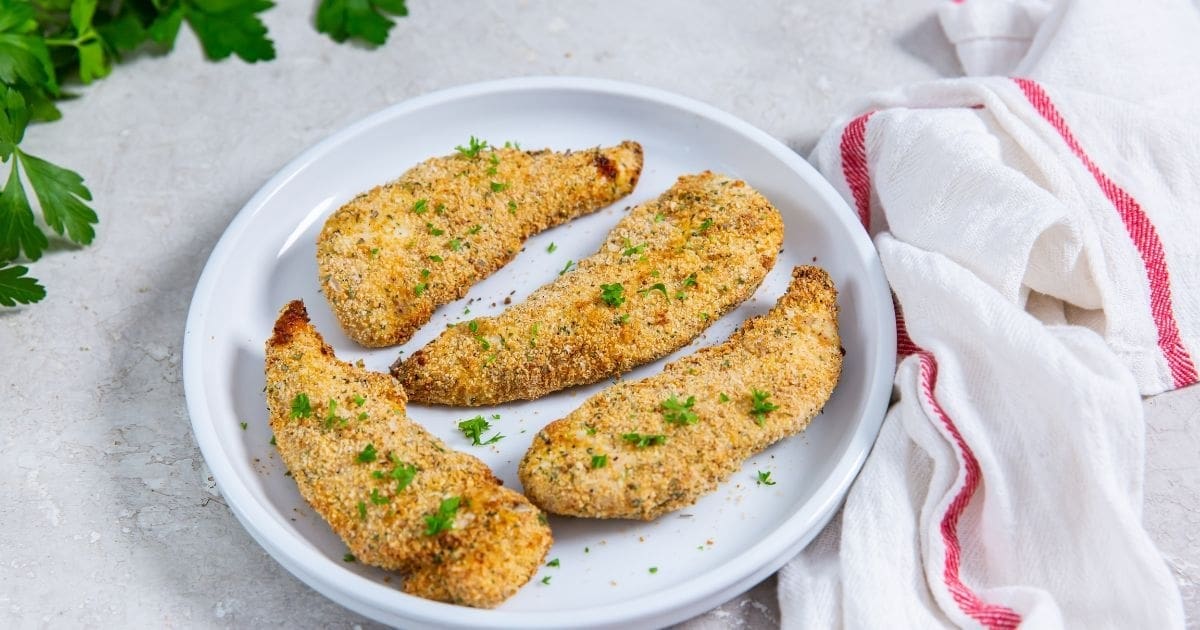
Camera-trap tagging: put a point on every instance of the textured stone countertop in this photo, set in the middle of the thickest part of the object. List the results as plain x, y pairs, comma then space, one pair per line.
108, 517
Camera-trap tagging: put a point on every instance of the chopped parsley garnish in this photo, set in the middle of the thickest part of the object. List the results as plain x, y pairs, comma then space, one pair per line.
613, 294
677, 412
436, 258
348, 558
421, 207
654, 287
621, 319
512, 207
475, 229
723, 398
474, 428
760, 407
550, 249
553, 563
653, 570
642, 441
378, 499
301, 408
454, 244
474, 146
591, 430
443, 519
546, 579
424, 273
362, 510
630, 250
494, 161
658, 217
331, 417
599, 461
374, 252
764, 478
566, 267
273, 440
419, 288
362, 415
512, 144
433, 230
689, 281
498, 186
533, 334
358, 400
402, 473
483, 343
367, 455
440, 208
473, 326
244, 425
704, 225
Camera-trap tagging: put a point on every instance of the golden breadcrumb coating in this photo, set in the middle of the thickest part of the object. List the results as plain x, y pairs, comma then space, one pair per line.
390, 256
667, 270
660, 457
378, 478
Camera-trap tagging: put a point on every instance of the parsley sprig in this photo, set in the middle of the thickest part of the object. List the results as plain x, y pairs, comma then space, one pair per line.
474, 428
612, 294
679, 412
643, 440
367, 20
443, 519
760, 406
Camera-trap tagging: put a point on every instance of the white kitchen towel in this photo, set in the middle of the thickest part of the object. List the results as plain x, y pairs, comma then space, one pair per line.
1040, 228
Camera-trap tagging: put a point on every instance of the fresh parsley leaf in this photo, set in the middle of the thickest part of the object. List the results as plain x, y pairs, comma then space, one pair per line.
704, 225
301, 407
348, 558
331, 417
546, 579
474, 146
764, 478
612, 294
474, 428
366, 20
402, 473
475, 229
61, 194
512, 207
367, 455
18, 232
359, 400
433, 231
553, 563
550, 249
443, 519
653, 570
231, 27
677, 412
419, 288
436, 258
760, 407
654, 287
24, 57
421, 206
244, 425
498, 186
378, 499
454, 244
723, 398
362, 510
566, 267
16, 288
631, 250
642, 441
599, 461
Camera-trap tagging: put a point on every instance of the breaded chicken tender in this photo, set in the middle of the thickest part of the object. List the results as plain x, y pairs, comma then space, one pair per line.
667, 270
390, 256
644, 448
396, 495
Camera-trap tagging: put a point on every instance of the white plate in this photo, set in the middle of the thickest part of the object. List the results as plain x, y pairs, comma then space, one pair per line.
704, 555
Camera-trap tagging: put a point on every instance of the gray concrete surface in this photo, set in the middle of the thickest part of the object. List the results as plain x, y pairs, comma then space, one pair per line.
107, 515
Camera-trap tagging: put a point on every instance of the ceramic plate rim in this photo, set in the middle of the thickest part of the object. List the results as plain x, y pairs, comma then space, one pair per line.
373, 599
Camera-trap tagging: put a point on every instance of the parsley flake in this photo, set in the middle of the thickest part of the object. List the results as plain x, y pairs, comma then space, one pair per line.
454, 244
244, 425
550, 249
546, 579
680, 413
612, 294
474, 428
653, 570
443, 519
367, 455
760, 407
654, 287
723, 398
378, 499
301, 407
498, 186
553, 563
642, 441
512, 207
402, 473
599, 461
658, 217
362, 510
348, 558
566, 267
704, 225
421, 206
630, 250
764, 478
433, 230
475, 229
419, 288
474, 146
358, 400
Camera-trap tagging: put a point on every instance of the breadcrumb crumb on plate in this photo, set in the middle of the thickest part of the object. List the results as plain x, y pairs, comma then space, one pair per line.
266, 258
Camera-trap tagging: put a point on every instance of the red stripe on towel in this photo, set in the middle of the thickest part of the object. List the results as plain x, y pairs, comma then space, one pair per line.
854, 166
1141, 231
858, 179
990, 615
